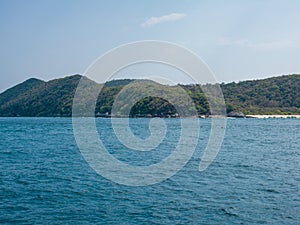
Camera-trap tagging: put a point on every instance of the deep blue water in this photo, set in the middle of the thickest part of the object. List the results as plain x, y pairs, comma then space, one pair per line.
255, 178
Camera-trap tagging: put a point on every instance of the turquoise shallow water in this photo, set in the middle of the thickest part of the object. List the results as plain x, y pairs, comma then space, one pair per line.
255, 179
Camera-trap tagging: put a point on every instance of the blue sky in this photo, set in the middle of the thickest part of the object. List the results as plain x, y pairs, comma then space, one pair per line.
239, 39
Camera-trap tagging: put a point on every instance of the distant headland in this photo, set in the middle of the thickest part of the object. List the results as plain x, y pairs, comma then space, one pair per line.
271, 97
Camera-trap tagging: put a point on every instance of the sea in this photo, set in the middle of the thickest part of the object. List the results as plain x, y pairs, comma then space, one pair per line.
255, 178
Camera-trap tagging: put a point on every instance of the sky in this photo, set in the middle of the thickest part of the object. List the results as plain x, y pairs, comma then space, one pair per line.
238, 40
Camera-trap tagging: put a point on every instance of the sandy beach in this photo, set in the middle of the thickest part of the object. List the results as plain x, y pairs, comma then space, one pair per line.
274, 116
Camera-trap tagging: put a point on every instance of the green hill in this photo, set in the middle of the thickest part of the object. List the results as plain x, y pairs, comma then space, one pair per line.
18, 90
276, 95
53, 98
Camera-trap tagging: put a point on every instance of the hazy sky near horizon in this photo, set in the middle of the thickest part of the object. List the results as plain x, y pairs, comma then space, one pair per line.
237, 39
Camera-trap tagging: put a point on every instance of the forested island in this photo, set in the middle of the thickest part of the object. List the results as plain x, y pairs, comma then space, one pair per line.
37, 98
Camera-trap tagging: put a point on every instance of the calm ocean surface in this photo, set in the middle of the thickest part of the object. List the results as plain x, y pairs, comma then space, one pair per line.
255, 178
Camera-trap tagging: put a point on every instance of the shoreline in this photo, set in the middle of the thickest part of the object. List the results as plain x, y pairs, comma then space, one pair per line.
273, 116
265, 116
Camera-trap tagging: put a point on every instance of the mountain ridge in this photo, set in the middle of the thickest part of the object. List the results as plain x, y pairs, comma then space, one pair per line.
34, 97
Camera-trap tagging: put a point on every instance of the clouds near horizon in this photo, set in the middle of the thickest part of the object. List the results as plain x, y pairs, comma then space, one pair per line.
268, 45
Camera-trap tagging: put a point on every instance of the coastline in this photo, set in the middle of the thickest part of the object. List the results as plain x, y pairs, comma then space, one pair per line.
273, 116
170, 116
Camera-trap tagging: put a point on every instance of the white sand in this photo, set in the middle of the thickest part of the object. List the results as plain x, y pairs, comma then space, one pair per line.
274, 116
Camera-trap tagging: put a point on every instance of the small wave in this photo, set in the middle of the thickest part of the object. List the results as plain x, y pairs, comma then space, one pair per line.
228, 212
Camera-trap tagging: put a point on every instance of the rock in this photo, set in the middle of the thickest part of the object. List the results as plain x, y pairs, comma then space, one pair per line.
236, 114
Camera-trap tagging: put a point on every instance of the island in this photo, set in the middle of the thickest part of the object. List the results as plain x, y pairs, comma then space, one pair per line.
271, 97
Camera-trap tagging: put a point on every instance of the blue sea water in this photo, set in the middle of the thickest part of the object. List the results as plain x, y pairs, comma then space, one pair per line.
255, 178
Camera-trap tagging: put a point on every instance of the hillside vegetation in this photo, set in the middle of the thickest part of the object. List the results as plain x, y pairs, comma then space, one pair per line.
276, 95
